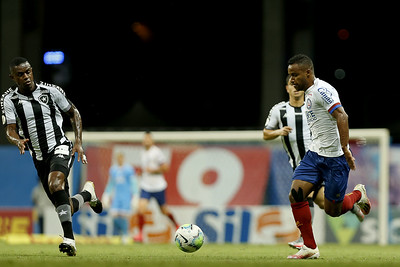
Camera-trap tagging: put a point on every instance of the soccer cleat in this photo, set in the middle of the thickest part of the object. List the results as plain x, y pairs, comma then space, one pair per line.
363, 203
94, 202
305, 253
297, 243
357, 211
68, 246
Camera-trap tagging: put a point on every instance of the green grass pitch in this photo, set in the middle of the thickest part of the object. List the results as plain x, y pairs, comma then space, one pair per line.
166, 255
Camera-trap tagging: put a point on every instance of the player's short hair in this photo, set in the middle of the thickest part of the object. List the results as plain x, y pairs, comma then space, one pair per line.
301, 59
16, 62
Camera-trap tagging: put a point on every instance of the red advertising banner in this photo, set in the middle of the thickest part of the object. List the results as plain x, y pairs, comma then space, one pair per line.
199, 174
231, 175
15, 221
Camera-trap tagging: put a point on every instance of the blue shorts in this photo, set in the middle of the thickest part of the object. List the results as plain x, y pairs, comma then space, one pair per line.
333, 171
159, 196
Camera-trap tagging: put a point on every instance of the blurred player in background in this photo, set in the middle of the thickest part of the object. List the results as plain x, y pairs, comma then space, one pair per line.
288, 120
31, 113
153, 183
119, 195
328, 159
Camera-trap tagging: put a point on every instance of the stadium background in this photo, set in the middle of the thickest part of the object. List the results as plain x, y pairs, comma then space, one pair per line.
178, 65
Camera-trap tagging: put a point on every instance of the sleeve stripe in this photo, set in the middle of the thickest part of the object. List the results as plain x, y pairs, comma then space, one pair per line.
335, 106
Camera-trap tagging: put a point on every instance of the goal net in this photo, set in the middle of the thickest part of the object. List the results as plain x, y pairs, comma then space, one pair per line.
235, 186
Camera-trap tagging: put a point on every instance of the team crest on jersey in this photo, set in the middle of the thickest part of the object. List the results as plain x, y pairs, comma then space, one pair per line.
309, 103
44, 98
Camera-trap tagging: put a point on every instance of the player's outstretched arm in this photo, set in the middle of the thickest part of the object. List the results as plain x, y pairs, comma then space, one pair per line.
13, 138
76, 122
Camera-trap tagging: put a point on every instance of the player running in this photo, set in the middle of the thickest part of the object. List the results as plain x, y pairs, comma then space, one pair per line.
31, 113
153, 183
288, 120
328, 159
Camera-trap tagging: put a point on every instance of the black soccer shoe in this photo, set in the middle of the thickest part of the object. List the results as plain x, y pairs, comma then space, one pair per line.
68, 247
94, 202
96, 206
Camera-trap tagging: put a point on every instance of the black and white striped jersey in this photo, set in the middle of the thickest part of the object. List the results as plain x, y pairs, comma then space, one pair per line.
297, 142
37, 116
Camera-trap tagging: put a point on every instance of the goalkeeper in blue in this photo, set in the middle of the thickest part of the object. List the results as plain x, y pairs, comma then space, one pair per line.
119, 195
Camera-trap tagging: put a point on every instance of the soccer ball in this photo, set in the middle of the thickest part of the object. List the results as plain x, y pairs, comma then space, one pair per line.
189, 238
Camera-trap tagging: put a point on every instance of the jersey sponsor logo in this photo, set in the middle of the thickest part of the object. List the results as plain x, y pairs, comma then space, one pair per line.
6, 93
310, 116
49, 85
325, 94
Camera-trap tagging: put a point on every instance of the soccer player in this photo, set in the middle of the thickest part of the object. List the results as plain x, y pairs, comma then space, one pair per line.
328, 159
288, 120
153, 183
31, 114
120, 191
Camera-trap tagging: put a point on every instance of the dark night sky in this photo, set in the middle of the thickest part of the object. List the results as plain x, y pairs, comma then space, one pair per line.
201, 68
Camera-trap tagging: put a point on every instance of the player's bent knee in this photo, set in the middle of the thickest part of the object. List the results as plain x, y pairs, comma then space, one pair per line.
296, 195
56, 182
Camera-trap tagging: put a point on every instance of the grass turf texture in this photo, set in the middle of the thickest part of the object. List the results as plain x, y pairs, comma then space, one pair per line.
209, 255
